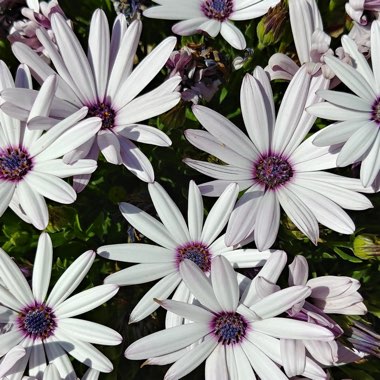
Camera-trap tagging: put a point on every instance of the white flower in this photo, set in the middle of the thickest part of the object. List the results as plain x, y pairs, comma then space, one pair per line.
210, 16
30, 168
105, 83
274, 165
44, 326
358, 115
178, 241
236, 340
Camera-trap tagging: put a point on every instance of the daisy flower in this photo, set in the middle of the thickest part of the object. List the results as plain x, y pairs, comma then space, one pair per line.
210, 16
43, 326
30, 167
273, 165
104, 82
358, 114
196, 241
237, 341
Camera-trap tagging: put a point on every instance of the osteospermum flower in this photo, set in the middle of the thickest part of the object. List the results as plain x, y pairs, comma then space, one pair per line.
43, 326
30, 167
358, 115
210, 16
196, 241
235, 339
104, 82
274, 165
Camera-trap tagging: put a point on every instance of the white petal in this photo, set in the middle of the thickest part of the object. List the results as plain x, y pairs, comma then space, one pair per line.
247, 258
140, 273
199, 285
216, 365
166, 341
162, 289
144, 134
42, 267
37, 360
195, 211
216, 188
371, 164
9, 360
99, 51
60, 169
293, 356
136, 161
191, 359
51, 187
174, 10
90, 332
33, 204
91, 374
375, 50
268, 213
109, 145
224, 283
71, 278
243, 368
169, 213
219, 214
211, 27
9, 340
84, 352
23, 77
136, 253
147, 225
343, 99
9, 300
188, 27
233, 35
298, 271
6, 193
86, 300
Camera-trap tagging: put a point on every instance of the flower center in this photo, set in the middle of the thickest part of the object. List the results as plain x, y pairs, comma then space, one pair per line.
197, 252
105, 112
217, 9
14, 163
375, 115
229, 327
272, 171
37, 321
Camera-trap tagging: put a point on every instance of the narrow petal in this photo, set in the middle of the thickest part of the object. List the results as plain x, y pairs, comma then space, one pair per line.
42, 267
9, 340
33, 204
219, 214
145, 134
211, 27
343, 99
169, 213
37, 359
60, 169
71, 278
6, 193
224, 283
11, 357
233, 35
333, 112
216, 188
109, 145
371, 164
293, 356
195, 211
298, 271
175, 10
147, 225
247, 258
188, 27
166, 341
243, 368
9, 300
90, 332
86, 300
161, 290
375, 50
216, 365
199, 285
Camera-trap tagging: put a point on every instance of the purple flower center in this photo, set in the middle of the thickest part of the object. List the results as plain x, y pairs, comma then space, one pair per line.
375, 115
197, 252
217, 9
105, 112
14, 163
37, 321
272, 171
229, 327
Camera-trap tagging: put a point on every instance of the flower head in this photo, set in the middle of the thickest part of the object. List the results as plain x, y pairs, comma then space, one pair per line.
30, 164
224, 332
273, 165
196, 241
210, 16
358, 114
104, 82
43, 324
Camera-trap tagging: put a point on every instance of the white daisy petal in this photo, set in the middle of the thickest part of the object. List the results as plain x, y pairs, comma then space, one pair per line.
9, 360
136, 253
162, 289
42, 267
109, 145
33, 204
86, 300
211, 27
8, 299
90, 332
293, 356
188, 27
216, 365
84, 352
147, 225
71, 278
219, 214
169, 213
6, 193
333, 112
176, 10
140, 273
246, 258
342, 99
371, 164
233, 35
37, 360
195, 212
144, 134
191, 359
375, 50
224, 282
91, 374
62, 170
199, 285
242, 365
9, 340
216, 188
166, 341
23, 77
